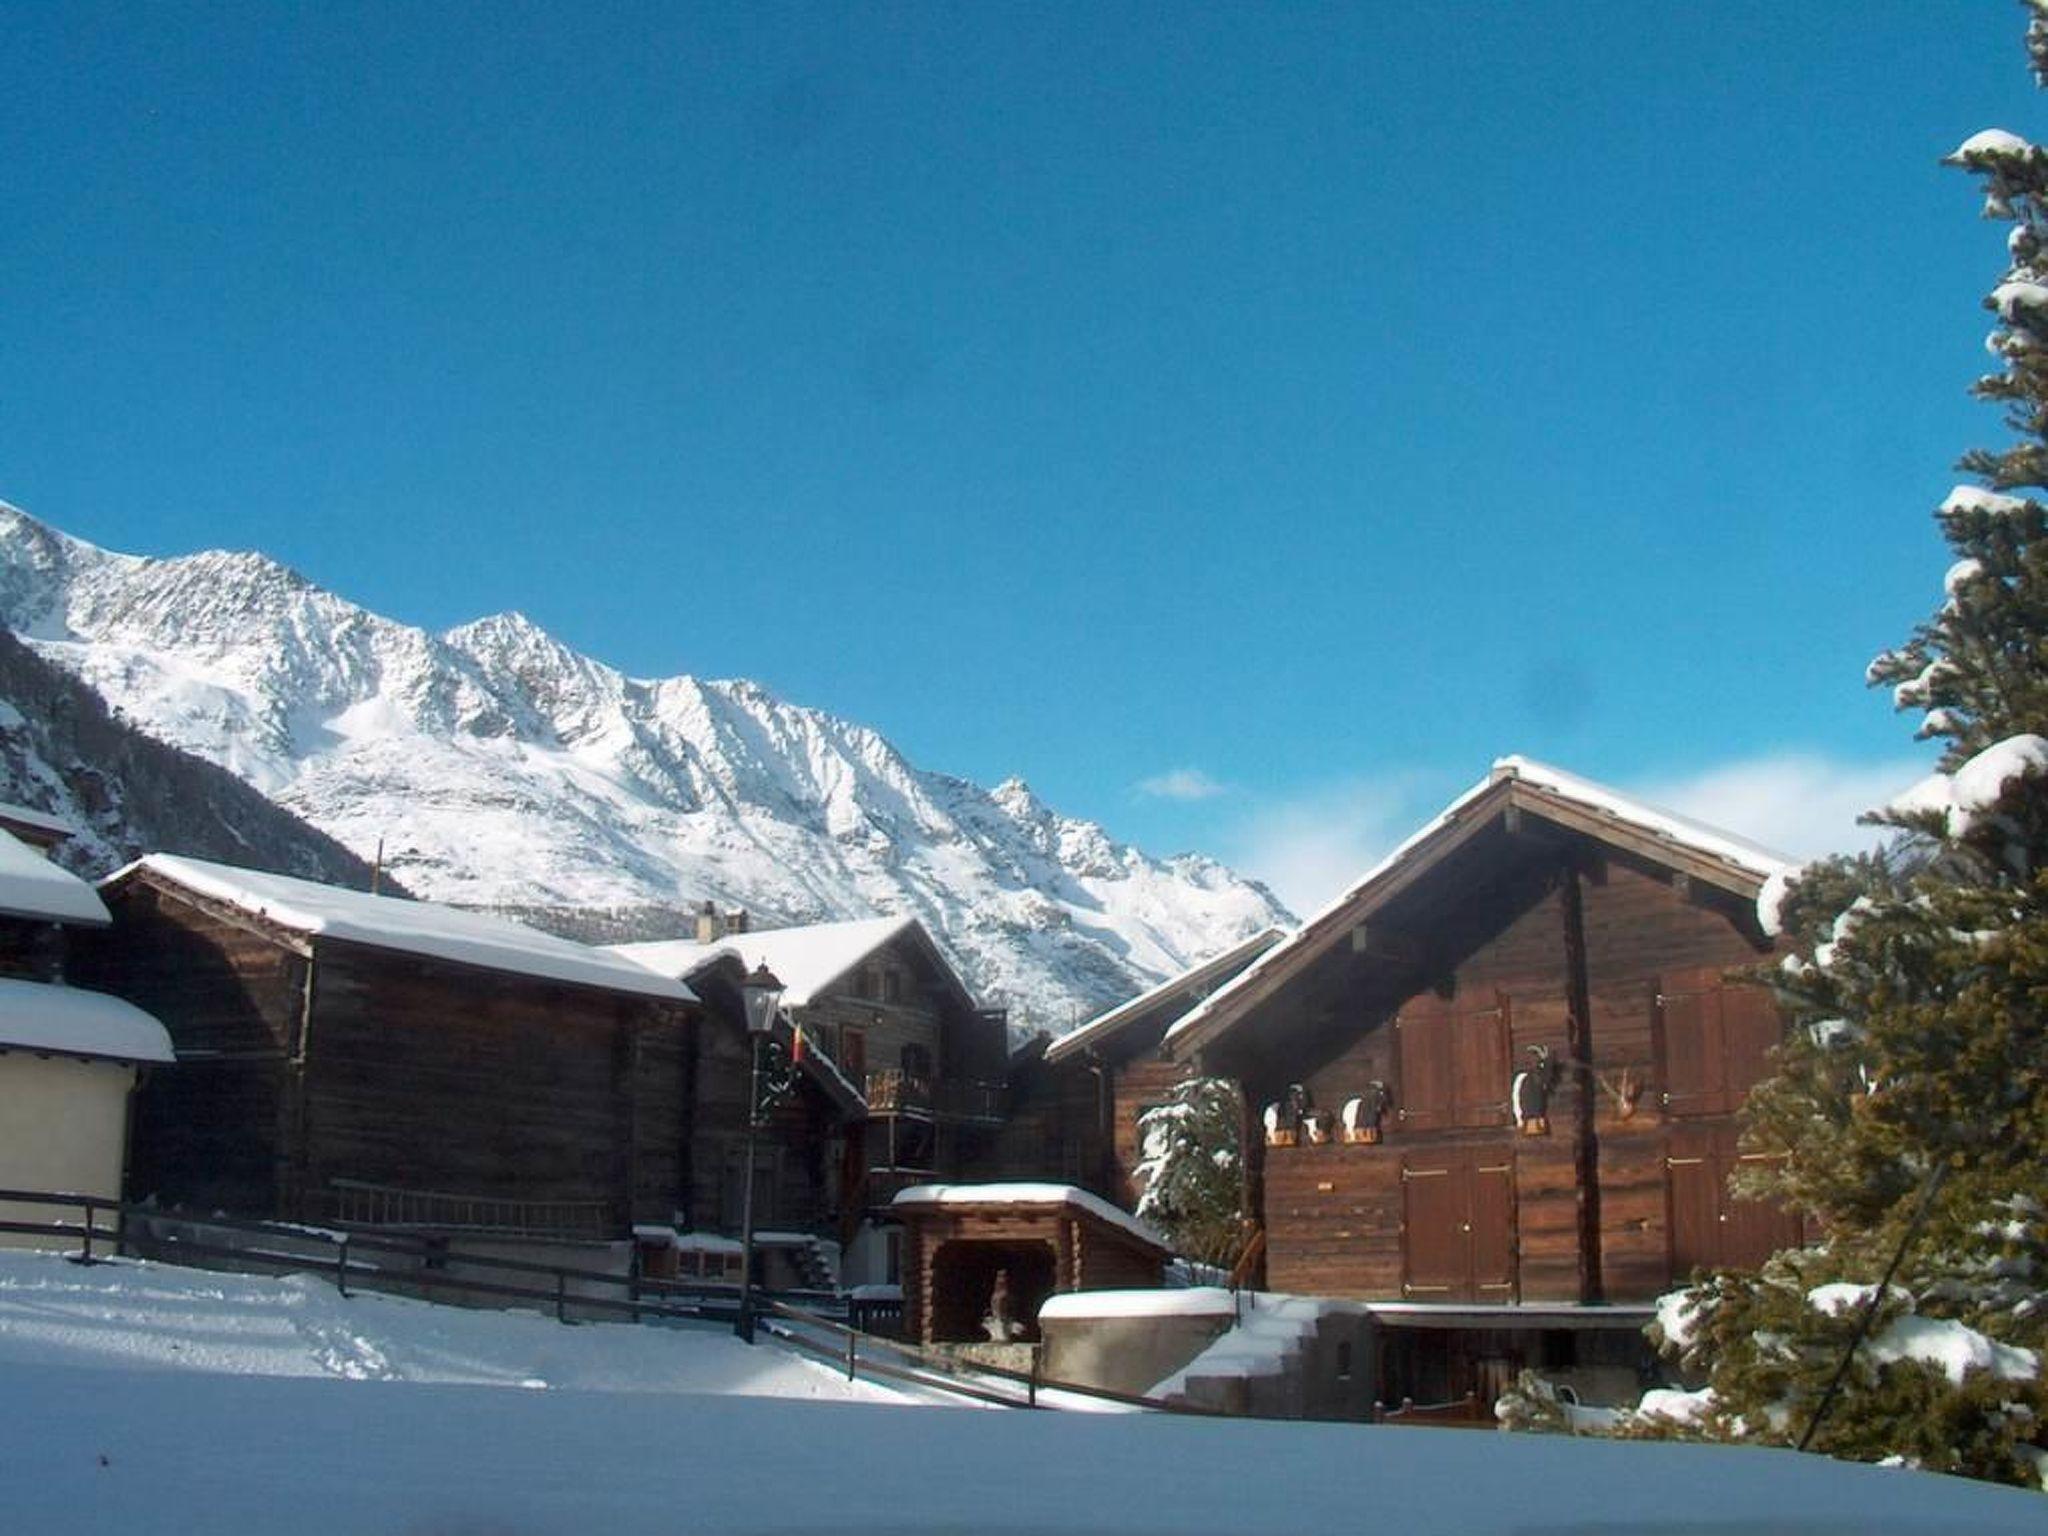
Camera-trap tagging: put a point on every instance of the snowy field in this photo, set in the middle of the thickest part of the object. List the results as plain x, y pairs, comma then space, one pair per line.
140, 1398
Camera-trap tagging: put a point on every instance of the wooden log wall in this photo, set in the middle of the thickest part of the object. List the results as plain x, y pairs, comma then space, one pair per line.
1335, 1213
210, 1131
428, 1076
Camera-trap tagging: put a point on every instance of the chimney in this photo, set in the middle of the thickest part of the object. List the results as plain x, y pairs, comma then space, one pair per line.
736, 921
710, 926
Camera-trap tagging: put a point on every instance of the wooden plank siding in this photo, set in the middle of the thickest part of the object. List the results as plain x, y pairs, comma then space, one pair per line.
1594, 954
303, 1062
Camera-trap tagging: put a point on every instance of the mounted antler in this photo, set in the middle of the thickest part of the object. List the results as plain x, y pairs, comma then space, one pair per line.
1626, 1091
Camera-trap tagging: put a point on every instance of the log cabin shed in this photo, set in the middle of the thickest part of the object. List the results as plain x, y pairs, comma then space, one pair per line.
356, 1059
980, 1259
70, 1058
1493, 1086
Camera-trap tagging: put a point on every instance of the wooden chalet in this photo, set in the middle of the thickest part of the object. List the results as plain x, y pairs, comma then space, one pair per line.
903, 1078
351, 1059
980, 1259
1493, 1086
70, 1058
1074, 1102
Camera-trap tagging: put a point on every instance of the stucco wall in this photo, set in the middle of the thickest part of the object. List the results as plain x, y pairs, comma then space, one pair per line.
62, 1126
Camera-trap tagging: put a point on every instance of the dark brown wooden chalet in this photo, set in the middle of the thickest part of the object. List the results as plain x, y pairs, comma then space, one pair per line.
1074, 1102
979, 1259
1543, 932
359, 1059
904, 1079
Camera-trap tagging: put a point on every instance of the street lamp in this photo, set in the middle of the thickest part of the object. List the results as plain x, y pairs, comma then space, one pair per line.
773, 1076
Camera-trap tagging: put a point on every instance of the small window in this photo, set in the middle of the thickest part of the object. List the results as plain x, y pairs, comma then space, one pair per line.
892, 986
917, 1062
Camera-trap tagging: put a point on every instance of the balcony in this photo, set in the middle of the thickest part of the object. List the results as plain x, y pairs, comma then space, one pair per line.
916, 1097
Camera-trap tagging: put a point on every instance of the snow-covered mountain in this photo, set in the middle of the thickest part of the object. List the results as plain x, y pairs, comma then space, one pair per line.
501, 768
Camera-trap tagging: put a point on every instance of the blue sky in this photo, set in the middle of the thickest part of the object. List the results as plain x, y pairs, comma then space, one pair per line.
1288, 409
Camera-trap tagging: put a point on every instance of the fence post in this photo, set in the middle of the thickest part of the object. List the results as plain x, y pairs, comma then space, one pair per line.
1031, 1387
852, 1343
341, 1266
85, 1251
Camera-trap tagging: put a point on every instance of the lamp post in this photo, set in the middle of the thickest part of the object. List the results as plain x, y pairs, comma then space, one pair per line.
771, 1078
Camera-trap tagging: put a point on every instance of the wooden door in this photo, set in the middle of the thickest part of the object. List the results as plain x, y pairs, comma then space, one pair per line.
853, 1055
1458, 1228
1710, 1228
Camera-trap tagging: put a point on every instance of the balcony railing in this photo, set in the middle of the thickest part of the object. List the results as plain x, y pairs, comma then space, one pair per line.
352, 1203
896, 1092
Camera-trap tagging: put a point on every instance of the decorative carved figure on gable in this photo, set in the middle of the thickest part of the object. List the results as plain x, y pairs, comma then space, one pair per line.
1363, 1115
1531, 1090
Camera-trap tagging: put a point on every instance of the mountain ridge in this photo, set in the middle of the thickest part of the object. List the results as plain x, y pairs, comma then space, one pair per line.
501, 767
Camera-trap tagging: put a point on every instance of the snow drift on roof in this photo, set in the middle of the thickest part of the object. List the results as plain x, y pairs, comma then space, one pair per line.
1032, 1194
806, 960
31, 886
73, 1022
411, 927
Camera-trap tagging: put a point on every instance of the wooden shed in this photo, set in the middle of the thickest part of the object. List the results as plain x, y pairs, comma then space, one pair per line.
1501, 1072
980, 1259
367, 1060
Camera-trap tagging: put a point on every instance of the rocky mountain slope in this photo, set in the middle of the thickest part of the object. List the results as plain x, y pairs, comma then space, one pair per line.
63, 751
501, 768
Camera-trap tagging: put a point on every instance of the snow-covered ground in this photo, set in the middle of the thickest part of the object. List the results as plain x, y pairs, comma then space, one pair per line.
137, 1399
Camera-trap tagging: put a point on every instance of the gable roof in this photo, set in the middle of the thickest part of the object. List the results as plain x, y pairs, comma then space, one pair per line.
39, 828
809, 960
408, 927
31, 886
1188, 988
1710, 854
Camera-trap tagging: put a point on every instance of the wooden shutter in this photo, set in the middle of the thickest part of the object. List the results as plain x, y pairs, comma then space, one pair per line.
1425, 1071
1436, 1248
1714, 1039
1480, 1065
1493, 1232
1690, 1047
1750, 1027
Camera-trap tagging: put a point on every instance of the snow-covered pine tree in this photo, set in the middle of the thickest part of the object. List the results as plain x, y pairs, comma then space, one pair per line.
1190, 1169
1917, 986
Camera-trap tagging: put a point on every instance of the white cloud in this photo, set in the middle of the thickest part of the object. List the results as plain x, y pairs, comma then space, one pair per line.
1310, 846
1801, 803
1180, 784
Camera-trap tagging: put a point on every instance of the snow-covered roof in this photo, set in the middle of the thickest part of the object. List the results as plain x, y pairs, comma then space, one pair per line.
1033, 1195
73, 1022
1732, 859
1188, 1301
37, 821
1103, 1025
807, 960
410, 927
31, 886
